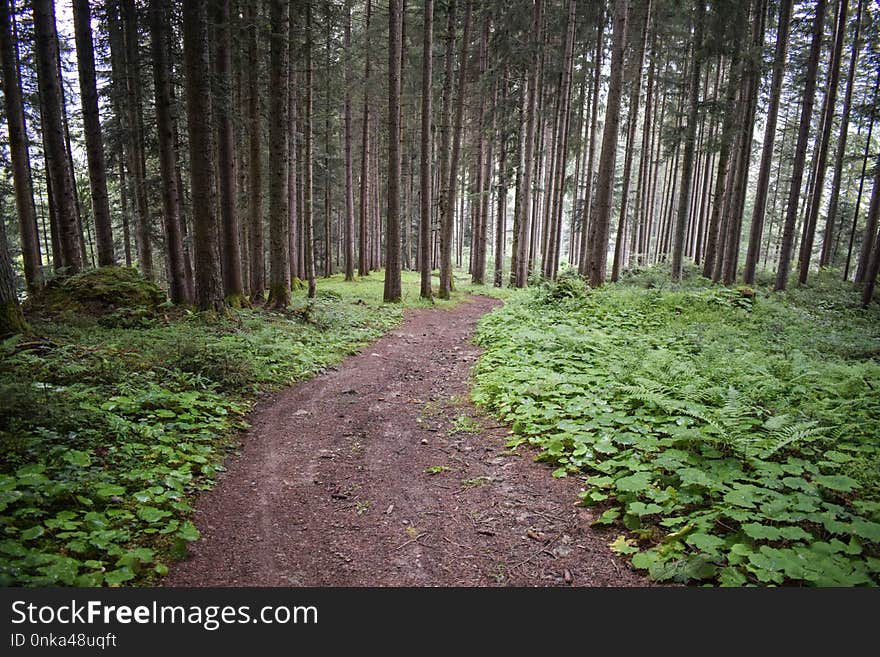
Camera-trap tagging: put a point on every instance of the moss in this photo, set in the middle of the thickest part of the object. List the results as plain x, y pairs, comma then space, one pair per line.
279, 296
237, 301
12, 321
99, 292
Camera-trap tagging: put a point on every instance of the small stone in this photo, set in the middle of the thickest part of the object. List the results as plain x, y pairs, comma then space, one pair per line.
424, 441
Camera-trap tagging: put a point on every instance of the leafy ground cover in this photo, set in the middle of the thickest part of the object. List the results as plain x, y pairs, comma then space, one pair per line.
732, 435
111, 422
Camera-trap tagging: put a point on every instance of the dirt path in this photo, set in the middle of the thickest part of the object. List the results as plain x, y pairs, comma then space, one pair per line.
334, 484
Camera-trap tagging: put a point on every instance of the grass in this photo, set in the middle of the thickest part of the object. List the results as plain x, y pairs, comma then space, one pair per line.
111, 423
727, 437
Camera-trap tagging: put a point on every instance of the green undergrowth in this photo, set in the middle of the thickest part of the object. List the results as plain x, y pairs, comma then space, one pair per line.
111, 422
732, 436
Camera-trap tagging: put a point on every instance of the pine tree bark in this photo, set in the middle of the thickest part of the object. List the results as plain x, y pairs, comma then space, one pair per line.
584, 259
554, 239
524, 203
863, 255
257, 266
797, 176
828, 237
179, 291
425, 168
19, 154
446, 123
206, 250
57, 161
135, 124
872, 267
637, 65
483, 162
448, 217
364, 215
349, 182
308, 164
687, 169
85, 57
279, 244
293, 193
392, 291
806, 250
715, 235
501, 199
757, 227
749, 103
643, 179
600, 225
230, 245
12, 320
327, 217
119, 99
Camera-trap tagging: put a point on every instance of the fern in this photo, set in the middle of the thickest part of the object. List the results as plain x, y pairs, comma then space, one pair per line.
789, 435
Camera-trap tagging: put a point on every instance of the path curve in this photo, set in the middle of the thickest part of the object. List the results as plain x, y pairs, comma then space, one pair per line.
358, 478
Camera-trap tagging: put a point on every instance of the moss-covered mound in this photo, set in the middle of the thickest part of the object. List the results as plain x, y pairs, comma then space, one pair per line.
99, 292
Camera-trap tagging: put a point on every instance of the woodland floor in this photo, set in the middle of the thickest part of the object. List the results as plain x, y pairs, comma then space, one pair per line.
380, 472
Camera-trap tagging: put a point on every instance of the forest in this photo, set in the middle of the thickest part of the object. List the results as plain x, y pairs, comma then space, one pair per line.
357, 293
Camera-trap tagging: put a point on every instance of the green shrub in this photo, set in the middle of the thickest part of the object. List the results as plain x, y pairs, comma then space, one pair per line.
733, 441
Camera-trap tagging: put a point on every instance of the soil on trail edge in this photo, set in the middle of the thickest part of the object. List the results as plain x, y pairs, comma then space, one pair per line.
381, 473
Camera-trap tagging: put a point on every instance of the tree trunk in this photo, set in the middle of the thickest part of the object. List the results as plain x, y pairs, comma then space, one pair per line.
349, 184
749, 103
865, 244
501, 194
135, 123
197, 62
279, 244
637, 65
448, 217
518, 181
524, 203
687, 170
57, 161
600, 226
425, 169
363, 246
230, 246
119, 98
872, 267
167, 153
255, 159
758, 214
11, 318
85, 58
307, 216
328, 221
643, 179
18, 151
806, 250
554, 239
827, 254
294, 238
584, 259
484, 158
392, 292
715, 234
797, 176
